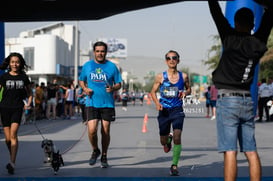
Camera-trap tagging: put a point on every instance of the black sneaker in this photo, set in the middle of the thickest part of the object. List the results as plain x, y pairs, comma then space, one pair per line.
94, 156
174, 171
168, 146
10, 169
103, 160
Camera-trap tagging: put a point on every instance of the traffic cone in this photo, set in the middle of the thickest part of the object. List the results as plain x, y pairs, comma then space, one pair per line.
148, 101
144, 127
145, 118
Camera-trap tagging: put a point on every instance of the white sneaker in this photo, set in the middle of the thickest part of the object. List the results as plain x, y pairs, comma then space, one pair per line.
212, 118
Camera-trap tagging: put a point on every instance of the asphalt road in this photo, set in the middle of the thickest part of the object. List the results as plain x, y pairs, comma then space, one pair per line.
132, 152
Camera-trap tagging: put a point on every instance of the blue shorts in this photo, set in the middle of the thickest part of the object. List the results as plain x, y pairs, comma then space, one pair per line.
167, 117
213, 103
235, 123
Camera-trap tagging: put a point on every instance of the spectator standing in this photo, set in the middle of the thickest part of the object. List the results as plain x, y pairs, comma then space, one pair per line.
39, 100
207, 96
133, 97
141, 98
60, 102
69, 101
124, 99
213, 100
77, 108
241, 52
81, 97
264, 93
52, 97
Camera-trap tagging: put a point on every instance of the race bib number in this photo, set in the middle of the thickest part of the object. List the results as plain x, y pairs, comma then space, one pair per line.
170, 91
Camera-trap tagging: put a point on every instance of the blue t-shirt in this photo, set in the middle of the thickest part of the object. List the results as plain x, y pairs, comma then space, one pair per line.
98, 76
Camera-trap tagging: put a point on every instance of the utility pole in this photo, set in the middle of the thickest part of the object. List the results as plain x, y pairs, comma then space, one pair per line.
76, 59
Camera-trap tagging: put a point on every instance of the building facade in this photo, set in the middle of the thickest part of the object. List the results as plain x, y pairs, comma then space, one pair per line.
49, 51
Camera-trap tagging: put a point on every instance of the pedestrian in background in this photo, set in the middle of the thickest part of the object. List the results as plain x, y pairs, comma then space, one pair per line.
69, 101
133, 97
124, 99
264, 95
52, 97
213, 100
39, 100
241, 52
99, 79
81, 97
207, 96
141, 98
60, 102
17, 87
173, 86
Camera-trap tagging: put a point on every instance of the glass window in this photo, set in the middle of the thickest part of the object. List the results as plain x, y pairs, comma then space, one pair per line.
29, 57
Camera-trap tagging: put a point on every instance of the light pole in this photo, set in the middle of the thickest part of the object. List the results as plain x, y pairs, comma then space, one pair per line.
76, 59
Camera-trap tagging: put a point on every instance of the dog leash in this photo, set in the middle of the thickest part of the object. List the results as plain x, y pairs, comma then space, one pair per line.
85, 130
39, 131
68, 149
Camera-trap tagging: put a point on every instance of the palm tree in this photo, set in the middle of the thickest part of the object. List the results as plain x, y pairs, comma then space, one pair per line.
266, 65
268, 56
214, 54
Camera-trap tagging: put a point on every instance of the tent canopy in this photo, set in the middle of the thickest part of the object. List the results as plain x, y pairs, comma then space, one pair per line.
71, 10
55, 10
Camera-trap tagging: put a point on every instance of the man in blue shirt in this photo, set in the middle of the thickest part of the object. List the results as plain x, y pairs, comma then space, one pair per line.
99, 79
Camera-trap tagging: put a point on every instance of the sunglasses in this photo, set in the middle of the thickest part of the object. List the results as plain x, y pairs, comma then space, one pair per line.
172, 58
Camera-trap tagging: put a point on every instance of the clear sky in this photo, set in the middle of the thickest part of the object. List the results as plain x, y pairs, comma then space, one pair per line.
186, 27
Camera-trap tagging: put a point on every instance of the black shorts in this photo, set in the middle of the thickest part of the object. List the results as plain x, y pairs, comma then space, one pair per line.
124, 103
11, 115
107, 114
69, 102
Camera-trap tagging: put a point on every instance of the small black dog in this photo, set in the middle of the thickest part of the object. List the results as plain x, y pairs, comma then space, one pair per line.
57, 161
48, 147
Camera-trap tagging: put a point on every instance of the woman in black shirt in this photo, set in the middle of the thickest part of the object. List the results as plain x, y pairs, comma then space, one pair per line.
16, 89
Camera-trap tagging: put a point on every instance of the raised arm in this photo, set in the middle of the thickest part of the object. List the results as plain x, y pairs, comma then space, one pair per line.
220, 21
266, 25
268, 4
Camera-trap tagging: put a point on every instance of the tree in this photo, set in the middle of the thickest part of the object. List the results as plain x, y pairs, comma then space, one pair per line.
149, 83
269, 54
266, 66
214, 54
266, 69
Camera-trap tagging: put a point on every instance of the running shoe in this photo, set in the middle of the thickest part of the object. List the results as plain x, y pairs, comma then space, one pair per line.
168, 146
10, 169
174, 171
103, 160
94, 156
